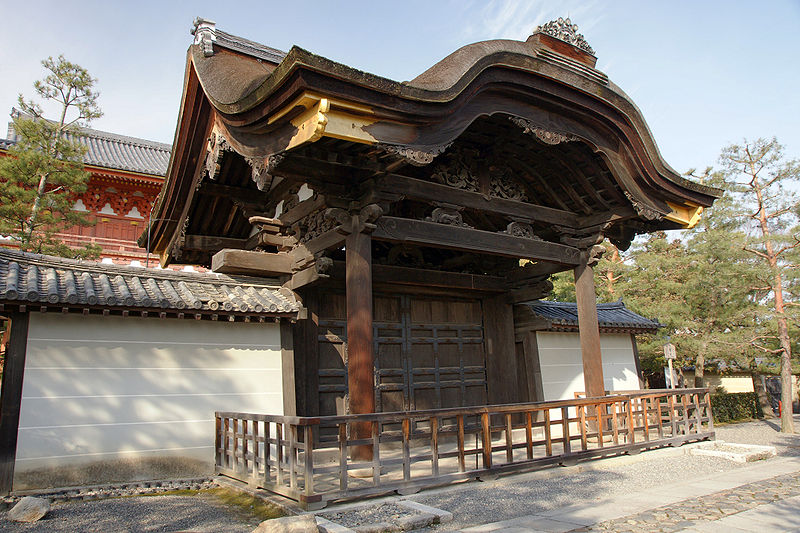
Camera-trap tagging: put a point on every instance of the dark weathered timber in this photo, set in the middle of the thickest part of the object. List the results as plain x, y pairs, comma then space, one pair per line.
251, 196
447, 445
589, 330
394, 229
501, 364
212, 243
11, 398
360, 383
435, 192
228, 261
288, 369
426, 277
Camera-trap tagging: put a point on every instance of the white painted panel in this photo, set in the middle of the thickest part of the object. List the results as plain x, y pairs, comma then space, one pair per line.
562, 365
104, 387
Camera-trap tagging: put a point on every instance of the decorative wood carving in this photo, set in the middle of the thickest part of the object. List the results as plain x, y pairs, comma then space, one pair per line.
262, 170
542, 134
415, 157
316, 224
504, 186
291, 199
564, 30
459, 173
405, 255
447, 215
462, 173
218, 146
594, 254
642, 210
521, 229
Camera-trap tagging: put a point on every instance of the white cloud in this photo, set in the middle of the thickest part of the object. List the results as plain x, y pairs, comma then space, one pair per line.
516, 19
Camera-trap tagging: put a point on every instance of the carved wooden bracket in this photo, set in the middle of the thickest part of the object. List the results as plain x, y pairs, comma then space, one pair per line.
544, 135
415, 156
447, 215
217, 146
262, 170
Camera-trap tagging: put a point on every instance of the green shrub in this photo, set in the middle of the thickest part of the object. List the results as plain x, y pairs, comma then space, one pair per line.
729, 407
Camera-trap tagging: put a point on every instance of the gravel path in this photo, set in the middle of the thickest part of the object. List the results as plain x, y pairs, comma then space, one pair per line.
200, 514
524, 494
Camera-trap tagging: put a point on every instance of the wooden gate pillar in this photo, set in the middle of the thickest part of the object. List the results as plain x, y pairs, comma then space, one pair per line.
588, 327
11, 398
360, 357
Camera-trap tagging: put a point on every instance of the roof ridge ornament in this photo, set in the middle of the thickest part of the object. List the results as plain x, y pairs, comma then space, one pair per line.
564, 30
205, 34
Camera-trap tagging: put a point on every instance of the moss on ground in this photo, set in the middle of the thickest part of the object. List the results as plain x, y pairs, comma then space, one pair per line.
242, 503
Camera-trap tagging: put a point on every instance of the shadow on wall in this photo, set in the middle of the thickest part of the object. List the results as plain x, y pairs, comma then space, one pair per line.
112, 471
112, 399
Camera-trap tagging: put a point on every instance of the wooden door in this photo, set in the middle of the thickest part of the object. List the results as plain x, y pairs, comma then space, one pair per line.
429, 353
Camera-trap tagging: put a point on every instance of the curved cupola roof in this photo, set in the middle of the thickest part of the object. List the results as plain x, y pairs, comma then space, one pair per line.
539, 107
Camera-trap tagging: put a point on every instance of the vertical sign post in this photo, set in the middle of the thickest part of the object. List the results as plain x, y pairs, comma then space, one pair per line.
669, 355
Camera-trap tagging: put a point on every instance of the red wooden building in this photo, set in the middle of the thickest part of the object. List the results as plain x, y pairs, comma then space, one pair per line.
126, 177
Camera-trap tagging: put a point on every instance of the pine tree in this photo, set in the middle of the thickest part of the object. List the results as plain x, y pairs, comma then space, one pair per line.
762, 183
43, 174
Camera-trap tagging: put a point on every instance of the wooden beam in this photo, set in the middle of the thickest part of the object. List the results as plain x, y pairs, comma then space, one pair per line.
430, 278
588, 328
501, 360
395, 229
360, 365
211, 243
288, 369
250, 196
229, 261
435, 192
11, 398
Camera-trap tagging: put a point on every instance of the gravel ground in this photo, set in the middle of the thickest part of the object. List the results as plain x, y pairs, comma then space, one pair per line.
200, 514
385, 512
524, 494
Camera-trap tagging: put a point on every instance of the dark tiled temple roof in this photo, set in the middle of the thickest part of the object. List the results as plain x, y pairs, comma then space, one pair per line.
118, 152
32, 279
609, 316
246, 46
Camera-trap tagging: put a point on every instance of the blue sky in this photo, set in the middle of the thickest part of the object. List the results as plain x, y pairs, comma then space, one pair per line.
704, 73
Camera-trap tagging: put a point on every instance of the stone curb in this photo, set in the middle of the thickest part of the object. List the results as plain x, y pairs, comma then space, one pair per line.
101, 492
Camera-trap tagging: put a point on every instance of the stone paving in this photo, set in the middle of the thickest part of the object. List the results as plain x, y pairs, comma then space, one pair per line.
689, 513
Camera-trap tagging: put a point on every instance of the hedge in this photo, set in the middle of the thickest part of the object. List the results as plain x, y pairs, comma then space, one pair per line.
729, 407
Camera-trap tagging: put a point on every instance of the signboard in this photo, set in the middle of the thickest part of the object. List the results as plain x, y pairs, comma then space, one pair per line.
669, 351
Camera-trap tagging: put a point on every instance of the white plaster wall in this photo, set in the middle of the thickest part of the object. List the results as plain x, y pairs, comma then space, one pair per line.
562, 366
98, 388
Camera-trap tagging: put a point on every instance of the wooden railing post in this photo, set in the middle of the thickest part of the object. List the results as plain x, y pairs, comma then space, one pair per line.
406, 449
461, 459
672, 415
376, 453
548, 441
631, 437
567, 447
292, 456
709, 413
279, 451
308, 437
218, 441
487, 441
528, 435
434, 422
343, 456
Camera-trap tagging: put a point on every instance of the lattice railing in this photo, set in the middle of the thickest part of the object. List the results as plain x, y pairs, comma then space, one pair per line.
405, 451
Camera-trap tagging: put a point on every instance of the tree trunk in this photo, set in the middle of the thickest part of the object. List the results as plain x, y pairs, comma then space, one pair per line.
761, 391
787, 422
699, 370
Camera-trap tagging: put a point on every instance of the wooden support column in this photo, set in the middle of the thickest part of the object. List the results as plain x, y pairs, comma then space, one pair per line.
11, 398
360, 380
588, 328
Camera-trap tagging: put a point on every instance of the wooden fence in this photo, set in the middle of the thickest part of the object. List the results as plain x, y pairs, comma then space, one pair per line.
315, 460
